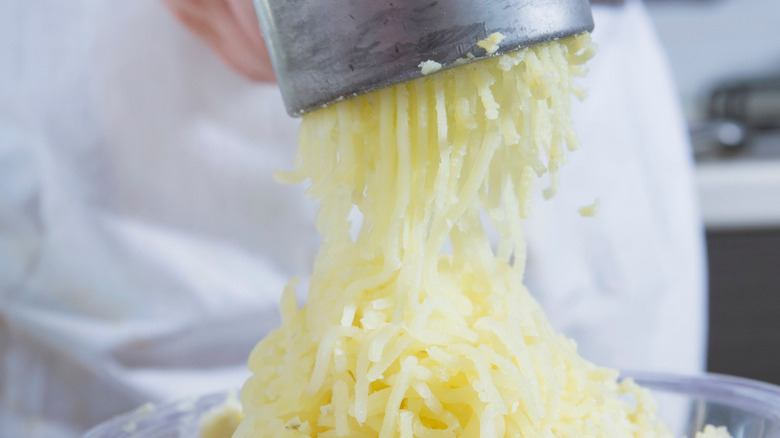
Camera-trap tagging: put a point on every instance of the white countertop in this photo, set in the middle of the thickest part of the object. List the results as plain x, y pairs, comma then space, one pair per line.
740, 193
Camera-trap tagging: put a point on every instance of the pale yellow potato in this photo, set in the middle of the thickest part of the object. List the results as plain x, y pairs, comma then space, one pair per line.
400, 338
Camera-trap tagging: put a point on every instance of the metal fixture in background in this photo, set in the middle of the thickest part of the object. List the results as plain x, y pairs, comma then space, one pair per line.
717, 138
754, 103
737, 112
325, 51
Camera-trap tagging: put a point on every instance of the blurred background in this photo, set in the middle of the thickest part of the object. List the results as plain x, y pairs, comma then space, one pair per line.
725, 55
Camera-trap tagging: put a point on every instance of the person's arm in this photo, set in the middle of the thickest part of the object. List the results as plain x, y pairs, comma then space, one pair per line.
231, 29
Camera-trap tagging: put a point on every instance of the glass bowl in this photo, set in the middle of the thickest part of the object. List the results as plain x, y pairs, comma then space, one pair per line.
749, 409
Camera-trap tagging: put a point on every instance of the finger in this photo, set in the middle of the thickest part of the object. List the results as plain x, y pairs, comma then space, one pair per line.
245, 13
215, 22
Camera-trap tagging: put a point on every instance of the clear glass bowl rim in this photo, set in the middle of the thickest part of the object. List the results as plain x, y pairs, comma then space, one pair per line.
759, 398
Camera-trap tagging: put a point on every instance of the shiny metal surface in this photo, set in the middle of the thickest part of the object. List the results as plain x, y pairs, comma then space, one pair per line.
324, 51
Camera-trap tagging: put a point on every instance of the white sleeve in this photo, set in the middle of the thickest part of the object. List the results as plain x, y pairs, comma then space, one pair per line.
628, 284
147, 241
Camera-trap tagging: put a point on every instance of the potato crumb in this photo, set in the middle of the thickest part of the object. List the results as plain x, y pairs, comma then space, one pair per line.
711, 431
429, 66
490, 44
590, 210
222, 421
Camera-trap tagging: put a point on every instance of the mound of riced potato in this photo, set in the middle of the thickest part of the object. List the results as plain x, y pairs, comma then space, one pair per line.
402, 338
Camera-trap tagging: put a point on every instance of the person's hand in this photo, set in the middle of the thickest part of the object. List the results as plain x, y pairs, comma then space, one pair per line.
230, 28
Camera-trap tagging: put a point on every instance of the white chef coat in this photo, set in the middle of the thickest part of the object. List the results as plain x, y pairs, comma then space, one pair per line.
144, 244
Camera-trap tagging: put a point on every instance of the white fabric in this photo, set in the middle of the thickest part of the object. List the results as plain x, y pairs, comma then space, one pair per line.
144, 244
